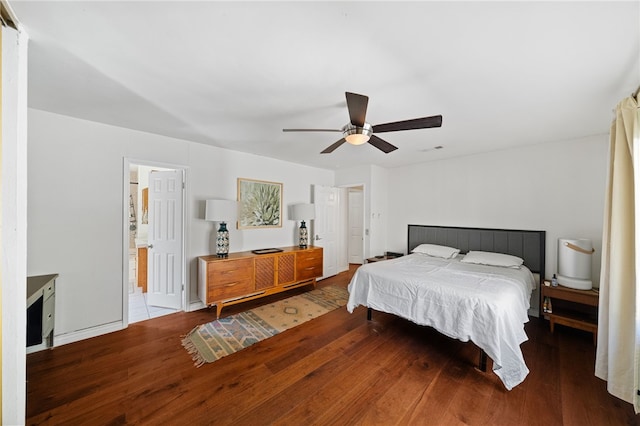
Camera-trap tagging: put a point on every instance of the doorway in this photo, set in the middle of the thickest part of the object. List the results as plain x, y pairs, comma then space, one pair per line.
355, 244
339, 226
142, 283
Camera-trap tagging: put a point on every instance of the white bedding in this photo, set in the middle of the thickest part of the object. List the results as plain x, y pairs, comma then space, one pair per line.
487, 305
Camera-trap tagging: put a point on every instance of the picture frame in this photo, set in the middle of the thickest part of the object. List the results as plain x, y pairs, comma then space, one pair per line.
259, 204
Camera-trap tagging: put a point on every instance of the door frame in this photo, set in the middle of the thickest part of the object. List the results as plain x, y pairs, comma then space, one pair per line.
127, 163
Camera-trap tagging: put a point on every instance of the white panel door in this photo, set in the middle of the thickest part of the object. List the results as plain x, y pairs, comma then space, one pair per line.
164, 267
356, 231
327, 202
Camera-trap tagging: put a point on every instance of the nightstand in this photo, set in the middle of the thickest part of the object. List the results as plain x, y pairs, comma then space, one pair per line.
573, 308
386, 256
377, 259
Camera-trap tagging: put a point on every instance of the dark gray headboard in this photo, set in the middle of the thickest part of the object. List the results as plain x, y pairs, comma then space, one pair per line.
528, 245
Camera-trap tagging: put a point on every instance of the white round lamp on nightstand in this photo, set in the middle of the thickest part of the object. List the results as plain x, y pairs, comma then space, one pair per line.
574, 263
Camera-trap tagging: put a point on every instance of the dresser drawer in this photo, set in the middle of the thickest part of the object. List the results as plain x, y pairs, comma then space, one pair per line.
309, 272
311, 258
309, 264
221, 274
230, 290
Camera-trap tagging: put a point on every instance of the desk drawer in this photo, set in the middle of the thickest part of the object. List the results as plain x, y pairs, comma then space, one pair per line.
49, 289
48, 315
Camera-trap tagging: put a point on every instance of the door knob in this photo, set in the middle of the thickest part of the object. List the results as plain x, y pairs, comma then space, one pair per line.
318, 237
150, 246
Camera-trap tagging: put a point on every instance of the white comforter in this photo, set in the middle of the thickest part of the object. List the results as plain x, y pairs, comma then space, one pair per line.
487, 305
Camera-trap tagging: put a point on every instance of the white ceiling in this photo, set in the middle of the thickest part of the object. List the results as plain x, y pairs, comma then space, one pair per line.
234, 74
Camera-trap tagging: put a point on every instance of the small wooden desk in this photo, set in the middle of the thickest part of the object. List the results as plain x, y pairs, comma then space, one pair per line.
40, 311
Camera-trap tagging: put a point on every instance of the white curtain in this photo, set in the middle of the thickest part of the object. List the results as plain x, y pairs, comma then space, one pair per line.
618, 350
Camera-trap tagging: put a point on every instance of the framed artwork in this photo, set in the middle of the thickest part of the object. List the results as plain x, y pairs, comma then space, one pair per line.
259, 204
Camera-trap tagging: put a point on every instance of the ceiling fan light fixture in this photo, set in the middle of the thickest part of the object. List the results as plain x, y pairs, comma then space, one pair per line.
357, 139
357, 135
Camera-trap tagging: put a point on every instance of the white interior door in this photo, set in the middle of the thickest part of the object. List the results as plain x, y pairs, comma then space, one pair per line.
356, 231
325, 226
164, 267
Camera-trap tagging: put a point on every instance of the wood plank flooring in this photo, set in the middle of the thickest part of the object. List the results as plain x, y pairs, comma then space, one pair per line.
339, 369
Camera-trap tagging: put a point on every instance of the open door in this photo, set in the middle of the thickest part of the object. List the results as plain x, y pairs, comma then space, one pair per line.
164, 268
327, 202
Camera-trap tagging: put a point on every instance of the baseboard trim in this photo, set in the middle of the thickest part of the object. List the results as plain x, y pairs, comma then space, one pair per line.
87, 333
36, 348
196, 306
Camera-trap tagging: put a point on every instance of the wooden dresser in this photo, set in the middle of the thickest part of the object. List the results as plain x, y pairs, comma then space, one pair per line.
246, 276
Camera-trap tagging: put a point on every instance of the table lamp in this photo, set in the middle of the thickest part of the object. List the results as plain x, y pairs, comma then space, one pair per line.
303, 212
221, 211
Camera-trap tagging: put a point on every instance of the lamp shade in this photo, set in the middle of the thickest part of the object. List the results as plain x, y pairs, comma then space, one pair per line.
220, 210
303, 212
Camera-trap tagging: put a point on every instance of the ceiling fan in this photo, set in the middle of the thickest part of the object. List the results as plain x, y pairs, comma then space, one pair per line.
358, 131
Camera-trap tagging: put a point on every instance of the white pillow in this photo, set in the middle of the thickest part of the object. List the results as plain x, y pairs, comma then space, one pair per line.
493, 259
436, 250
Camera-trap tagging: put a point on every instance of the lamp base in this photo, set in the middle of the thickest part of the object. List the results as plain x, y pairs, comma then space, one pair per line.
303, 235
222, 241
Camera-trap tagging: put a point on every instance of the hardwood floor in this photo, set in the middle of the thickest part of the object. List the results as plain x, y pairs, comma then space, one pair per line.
336, 369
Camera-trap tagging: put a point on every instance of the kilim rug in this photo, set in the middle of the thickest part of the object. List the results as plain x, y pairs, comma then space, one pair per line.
210, 342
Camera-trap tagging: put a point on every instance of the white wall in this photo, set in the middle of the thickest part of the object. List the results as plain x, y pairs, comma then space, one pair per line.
76, 207
380, 208
555, 187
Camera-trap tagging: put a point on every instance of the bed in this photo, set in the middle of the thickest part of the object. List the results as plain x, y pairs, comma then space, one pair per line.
467, 301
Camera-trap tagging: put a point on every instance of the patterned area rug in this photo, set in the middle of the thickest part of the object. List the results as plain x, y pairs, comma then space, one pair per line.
210, 342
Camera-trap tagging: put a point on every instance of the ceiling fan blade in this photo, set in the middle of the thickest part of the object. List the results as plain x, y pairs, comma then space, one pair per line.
311, 130
381, 144
333, 147
416, 123
357, 106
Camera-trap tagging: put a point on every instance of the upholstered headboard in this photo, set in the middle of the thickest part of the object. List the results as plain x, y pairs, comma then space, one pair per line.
528, 245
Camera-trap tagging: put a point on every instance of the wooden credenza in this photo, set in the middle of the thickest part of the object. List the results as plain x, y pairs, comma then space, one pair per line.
244, 276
